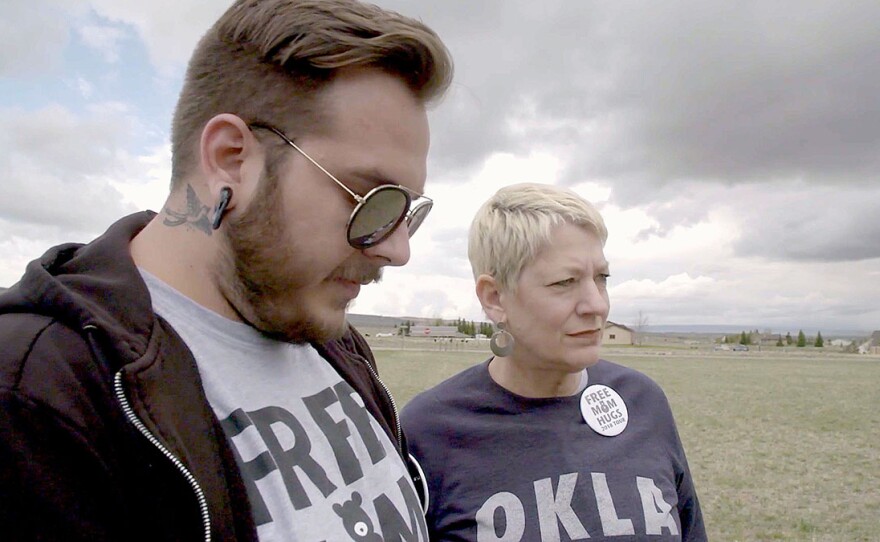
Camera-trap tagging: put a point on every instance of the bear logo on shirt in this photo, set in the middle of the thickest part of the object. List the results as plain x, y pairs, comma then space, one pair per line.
356, 521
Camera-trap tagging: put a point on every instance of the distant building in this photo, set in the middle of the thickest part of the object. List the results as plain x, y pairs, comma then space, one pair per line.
617, 334
435, 331
872, 345
768, 339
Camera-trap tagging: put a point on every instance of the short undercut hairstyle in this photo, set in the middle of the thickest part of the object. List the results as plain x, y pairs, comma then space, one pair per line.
517, 221
270, 59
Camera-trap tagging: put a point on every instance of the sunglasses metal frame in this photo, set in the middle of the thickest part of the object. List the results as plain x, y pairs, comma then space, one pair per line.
420, 211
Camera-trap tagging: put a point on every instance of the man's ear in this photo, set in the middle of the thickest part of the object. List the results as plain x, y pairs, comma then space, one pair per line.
490, 297
230, 156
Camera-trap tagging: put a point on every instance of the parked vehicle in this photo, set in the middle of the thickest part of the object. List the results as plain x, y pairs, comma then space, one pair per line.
739, 348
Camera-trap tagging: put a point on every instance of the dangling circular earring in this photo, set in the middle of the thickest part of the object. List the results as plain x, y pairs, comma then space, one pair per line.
502, 341
220, 208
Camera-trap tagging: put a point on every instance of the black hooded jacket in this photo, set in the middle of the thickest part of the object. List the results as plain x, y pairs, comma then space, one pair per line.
105, 430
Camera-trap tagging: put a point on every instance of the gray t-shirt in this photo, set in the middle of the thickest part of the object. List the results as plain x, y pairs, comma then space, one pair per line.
502, 467
316, 463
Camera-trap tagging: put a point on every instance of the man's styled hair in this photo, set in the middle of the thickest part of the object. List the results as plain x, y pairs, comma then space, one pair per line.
270, 59
517, 221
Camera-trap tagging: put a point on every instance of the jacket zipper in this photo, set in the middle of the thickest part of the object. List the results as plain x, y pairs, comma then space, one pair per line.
421, 475
393, 403
194, 484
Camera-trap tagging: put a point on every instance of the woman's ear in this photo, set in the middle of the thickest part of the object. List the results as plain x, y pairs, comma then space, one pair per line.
490, 297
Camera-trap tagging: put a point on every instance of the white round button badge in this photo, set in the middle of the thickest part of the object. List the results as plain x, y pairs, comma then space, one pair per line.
604, 410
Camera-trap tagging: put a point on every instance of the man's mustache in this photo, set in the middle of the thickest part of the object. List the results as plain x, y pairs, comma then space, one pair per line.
362, 274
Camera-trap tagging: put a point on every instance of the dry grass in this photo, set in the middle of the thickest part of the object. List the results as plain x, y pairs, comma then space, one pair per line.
781, 447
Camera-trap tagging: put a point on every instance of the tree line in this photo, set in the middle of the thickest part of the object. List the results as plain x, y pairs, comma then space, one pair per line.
465, 327
746, 338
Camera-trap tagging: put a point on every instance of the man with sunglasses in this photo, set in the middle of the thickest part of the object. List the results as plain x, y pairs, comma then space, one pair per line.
190, 375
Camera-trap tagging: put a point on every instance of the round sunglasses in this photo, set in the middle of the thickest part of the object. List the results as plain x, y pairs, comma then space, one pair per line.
379, 212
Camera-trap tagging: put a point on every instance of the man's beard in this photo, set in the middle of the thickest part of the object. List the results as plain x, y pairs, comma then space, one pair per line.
257, 271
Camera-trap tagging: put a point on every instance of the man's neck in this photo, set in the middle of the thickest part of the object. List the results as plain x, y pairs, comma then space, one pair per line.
181, 255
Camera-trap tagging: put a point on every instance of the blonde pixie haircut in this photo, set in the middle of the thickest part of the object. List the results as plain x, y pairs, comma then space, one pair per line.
512, 226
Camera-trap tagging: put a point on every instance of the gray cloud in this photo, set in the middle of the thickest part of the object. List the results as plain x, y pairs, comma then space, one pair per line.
642, 93
793, 220
32, 36
655, 98
763, 114
57, 167
430, 303
825, 225
675, 90
169, 28
753, 292
752, 91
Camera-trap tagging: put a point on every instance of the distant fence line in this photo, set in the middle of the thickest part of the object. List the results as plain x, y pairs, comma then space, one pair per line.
441, 344
457, 344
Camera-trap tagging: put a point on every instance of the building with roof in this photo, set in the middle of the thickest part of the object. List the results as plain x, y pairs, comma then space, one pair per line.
872, 345
617, 334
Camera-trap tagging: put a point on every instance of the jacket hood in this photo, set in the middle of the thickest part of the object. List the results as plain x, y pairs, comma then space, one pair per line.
90, 287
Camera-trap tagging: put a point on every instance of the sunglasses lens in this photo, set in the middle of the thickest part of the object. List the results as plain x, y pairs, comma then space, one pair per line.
381, 212
417, 216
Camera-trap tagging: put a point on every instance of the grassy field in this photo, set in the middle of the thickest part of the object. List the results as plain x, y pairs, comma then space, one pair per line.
781, 447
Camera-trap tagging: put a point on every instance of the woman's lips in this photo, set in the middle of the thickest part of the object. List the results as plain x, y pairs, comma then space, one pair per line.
587, 334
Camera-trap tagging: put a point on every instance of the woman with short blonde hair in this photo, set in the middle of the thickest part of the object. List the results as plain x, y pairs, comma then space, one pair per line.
545, 435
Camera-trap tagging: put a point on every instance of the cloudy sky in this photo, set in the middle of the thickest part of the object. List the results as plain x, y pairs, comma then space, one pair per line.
733, 148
